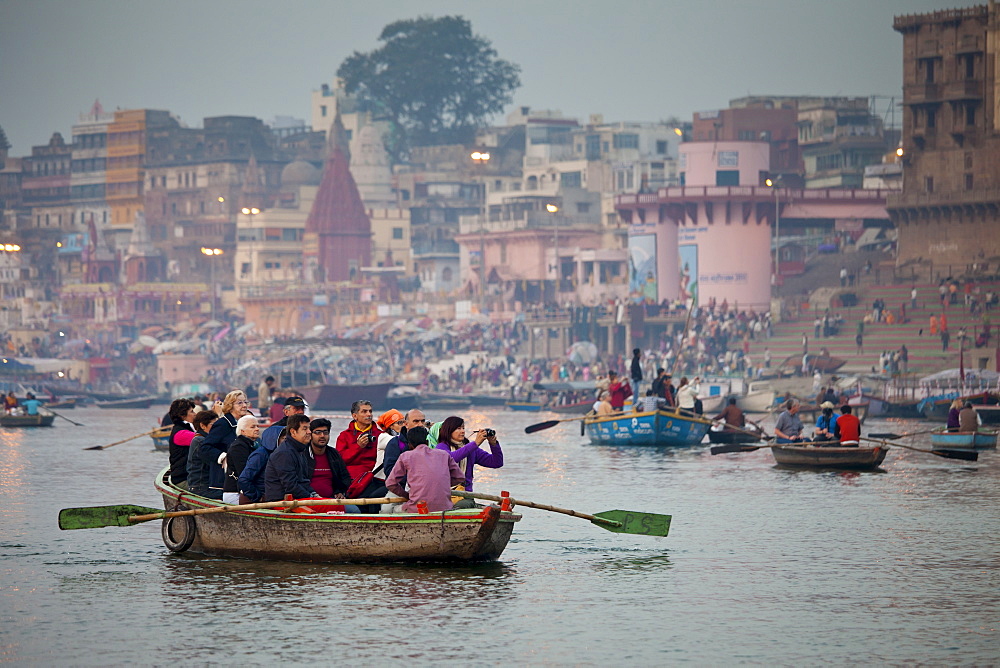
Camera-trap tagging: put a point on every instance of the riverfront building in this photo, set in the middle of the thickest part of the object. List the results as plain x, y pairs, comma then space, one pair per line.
949, 209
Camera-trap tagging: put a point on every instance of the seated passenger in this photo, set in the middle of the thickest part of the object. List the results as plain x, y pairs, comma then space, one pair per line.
732, 415
181, 412
251, 482
468, 453
603, 405
287, 470
197, 466
247, 430
826, 424
848, 427
31, 404
428, 474
788, 428
328, 474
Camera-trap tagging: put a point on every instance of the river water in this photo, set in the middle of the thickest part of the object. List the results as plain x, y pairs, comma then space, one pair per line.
762, 566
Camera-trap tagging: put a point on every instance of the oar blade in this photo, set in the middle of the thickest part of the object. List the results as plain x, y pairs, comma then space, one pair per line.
630, 521
887, 435
96, 517
966, 455
541, 426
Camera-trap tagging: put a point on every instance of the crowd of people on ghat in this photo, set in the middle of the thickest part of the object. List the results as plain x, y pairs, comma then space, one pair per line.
224, 454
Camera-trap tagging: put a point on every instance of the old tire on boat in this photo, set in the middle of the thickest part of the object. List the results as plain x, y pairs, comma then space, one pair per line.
178, 533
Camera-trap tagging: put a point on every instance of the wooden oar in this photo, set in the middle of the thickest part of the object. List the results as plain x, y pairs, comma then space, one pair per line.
122, 516
965, 455
548, 424
892, 436
125, 440
618, 521
64, 417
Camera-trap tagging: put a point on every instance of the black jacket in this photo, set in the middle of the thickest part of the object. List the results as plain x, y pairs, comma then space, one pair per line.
287, 472
236, 459
178, 454
636, 369
341, 478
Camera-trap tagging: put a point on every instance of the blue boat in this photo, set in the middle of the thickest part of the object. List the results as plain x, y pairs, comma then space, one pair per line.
532, 406
984, 439
664, 428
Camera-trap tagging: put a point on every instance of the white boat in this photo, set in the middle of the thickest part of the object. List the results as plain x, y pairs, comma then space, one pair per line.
758, 399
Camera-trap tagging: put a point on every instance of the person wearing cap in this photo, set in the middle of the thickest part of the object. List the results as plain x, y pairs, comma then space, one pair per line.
826, 424
251, 478
391, 423
429, 474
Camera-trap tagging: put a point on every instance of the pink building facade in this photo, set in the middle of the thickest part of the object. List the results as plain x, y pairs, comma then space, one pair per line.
712, 237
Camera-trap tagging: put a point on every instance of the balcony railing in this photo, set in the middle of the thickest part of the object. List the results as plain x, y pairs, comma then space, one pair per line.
532, 220
969, 89
921, 93
960, 197
436, 247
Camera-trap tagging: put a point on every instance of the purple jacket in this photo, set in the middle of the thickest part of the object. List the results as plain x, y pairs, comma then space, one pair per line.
473, 455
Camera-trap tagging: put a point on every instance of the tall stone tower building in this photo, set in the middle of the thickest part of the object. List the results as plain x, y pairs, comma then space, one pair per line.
338, 237
948, 213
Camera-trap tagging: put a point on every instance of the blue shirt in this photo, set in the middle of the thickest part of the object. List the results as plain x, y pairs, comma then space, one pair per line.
31, 405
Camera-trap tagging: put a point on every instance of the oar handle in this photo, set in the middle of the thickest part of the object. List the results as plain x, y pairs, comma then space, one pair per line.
294, 503
124, 440
540, 506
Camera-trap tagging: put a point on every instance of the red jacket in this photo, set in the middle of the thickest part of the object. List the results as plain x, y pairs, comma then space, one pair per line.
620, 390
358, 459
849, 427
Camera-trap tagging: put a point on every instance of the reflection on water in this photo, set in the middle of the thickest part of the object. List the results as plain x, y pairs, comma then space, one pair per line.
906, 552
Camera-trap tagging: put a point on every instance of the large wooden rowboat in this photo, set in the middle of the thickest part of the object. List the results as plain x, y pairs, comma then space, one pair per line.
40, 420
984, 439
478, 534
135, 402
863, 458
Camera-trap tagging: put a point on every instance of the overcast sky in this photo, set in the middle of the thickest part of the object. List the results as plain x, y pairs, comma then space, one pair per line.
641, 60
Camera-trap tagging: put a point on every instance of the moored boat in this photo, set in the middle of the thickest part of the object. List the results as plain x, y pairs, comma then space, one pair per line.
40, 420
330, 397
662, 428
134, 402
989, 414
478, 534
577, 408
759, 398
983, 439
862, 458
62, 404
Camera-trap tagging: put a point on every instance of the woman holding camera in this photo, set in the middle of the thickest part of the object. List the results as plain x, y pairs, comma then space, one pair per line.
451, 437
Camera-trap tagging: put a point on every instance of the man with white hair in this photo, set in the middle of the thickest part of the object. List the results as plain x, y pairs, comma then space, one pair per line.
247, 430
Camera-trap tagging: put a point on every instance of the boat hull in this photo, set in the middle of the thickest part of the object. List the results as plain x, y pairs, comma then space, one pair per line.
578, 408
137, 402
760, 401
18, 421
809, 456
479, 534
732, 437
328, 397
658, 428
530, 406
989, 414
984, 439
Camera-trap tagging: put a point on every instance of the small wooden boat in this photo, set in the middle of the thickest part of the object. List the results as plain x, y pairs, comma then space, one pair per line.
732, 437
161, 438
662, 428
533, 406
759, 398
478, 534
862, 458
40, 420
984, 439
134, 402
62, 404
989, 414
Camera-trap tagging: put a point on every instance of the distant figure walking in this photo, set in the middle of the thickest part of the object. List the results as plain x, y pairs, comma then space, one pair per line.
860, 341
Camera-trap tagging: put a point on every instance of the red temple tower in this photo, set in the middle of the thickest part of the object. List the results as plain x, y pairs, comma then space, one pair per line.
338, 234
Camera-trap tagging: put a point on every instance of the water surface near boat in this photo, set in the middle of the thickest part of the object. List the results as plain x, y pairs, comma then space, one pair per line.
892, 567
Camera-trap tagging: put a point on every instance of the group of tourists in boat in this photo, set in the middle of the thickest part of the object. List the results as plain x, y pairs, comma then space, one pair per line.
832, 428
224, 454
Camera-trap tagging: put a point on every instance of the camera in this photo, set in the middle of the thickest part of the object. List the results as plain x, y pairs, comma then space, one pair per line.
490, 433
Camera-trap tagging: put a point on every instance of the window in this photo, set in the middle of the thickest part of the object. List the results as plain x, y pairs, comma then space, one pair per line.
571, 179
604, 147
626, 141
929, 184
583, 207
322, 110
931, 118
968, 181
503, 252
727, 177
929, 70
746, 135
970, 114
662, 147
593, 147
397, 233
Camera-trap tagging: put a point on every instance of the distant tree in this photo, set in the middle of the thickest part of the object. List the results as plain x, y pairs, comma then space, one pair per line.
435, 79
